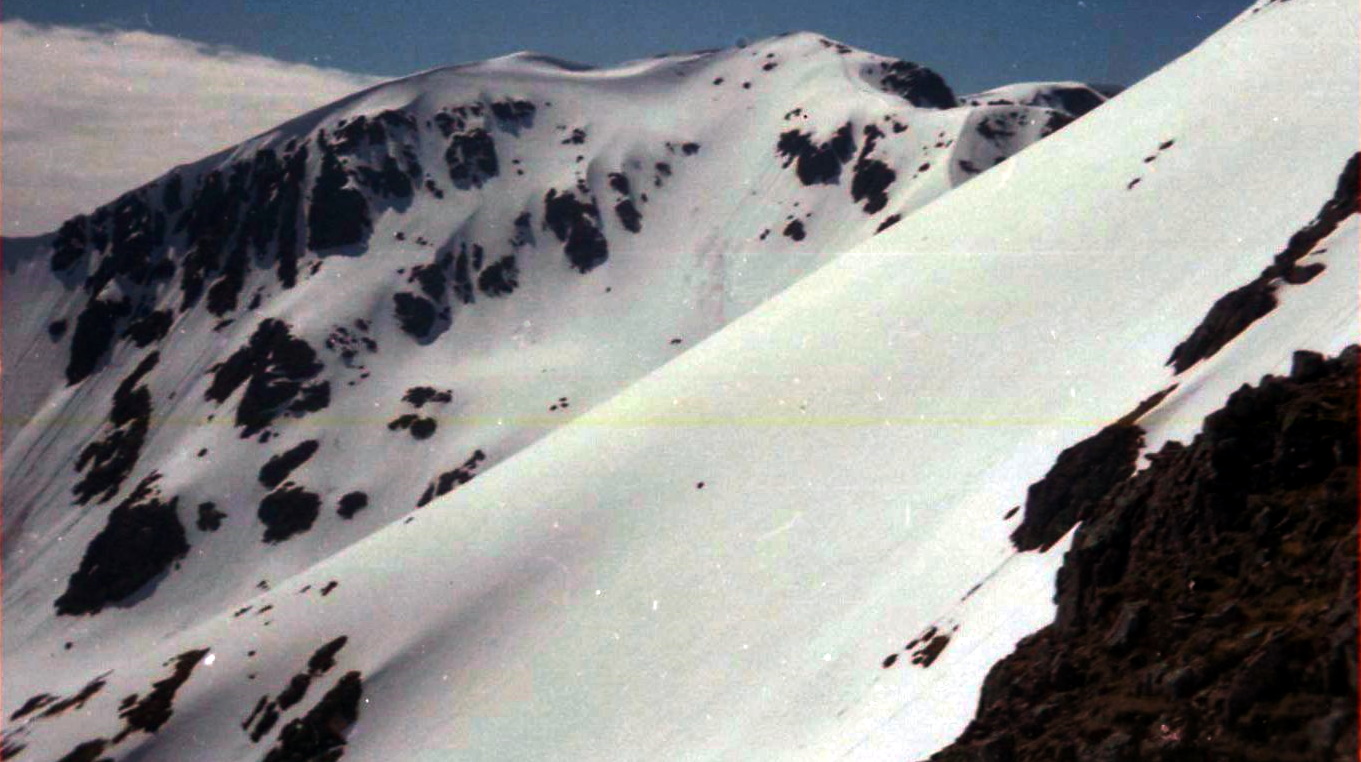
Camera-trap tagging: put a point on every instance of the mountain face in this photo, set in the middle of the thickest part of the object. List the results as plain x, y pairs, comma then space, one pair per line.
429, 275
478, 165
495, 243
524, 411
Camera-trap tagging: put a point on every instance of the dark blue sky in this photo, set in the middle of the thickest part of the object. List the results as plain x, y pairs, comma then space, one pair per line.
974, 44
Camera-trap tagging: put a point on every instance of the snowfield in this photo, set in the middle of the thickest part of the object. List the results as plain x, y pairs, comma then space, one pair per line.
679, 492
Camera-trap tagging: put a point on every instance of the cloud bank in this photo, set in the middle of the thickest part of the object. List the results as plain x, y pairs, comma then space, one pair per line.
86, 115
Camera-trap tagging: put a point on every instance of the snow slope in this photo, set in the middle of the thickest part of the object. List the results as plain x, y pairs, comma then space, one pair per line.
516, 240
718, 560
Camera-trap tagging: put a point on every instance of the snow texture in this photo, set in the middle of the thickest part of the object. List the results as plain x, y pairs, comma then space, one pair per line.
694, 489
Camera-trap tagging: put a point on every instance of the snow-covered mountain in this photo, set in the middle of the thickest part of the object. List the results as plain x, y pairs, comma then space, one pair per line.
522, 411
431, 275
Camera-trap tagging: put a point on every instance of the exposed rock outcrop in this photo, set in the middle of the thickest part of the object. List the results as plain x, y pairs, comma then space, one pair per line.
1208, 608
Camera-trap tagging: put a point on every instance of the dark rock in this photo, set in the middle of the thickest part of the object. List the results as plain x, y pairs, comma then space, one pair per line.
420, 427
149, 329
337, 215
1117, 747
447, 481
320, 734
70, 244
1299, 275
500, 278
416, 315
155, 709
431, 279
514, 115
389, 181
577, 225
96, 326
916, 84
1234, 312
1268, 669
472, 159
994, 129
931, 648
172, 193
1306, 366
1077, 101
1129, 627
33, 704
209, 517
419, 396
464, 265
255, 713
1227, 318
999, 749
1259, 679
1325, 732
817, 164
279, 467
352, 503
74, 701
89, 751
1063, 675
266, 723
288, 511
1182, 683
629, 216
871, 177
1228, 614
140, 542
324, 658
294, 692
870, 183
275, 367
1082, 475
311, 398
109, 460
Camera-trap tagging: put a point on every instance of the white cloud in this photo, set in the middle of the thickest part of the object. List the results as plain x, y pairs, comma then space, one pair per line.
89, 114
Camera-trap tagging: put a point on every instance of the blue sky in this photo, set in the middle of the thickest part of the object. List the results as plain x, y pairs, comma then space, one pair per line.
974, 44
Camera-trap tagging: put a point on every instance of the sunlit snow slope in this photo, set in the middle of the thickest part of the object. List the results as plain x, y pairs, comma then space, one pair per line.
715, 560
307, 337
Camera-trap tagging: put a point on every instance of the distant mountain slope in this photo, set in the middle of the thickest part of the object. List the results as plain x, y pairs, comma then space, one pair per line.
790, 540
420, 280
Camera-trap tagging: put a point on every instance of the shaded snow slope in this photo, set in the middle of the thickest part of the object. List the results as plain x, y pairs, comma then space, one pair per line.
725, 558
